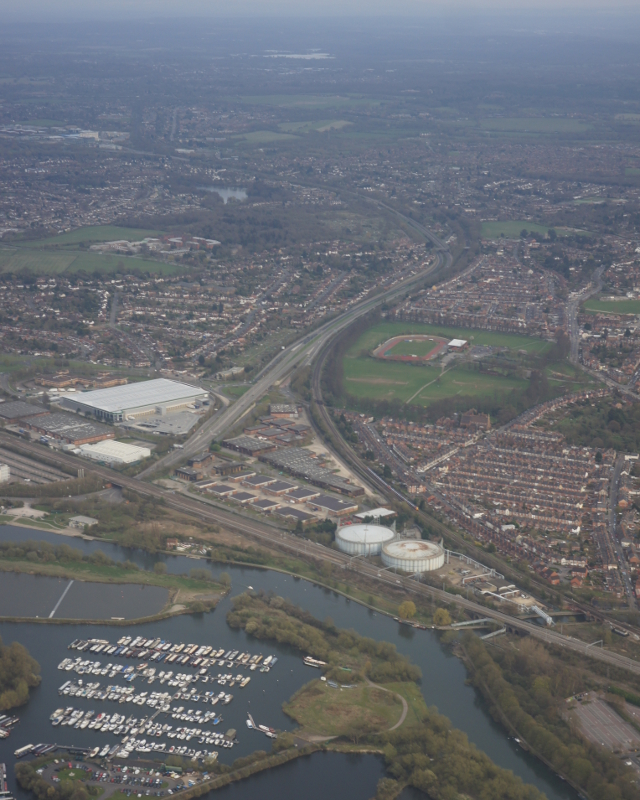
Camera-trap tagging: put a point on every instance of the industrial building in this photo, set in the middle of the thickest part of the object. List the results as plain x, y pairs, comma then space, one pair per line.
410, 555
158, 396
5, 473
111, 452
363, 540
15, 410
67, 428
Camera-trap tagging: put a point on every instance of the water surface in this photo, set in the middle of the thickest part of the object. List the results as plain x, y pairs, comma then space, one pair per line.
443, 682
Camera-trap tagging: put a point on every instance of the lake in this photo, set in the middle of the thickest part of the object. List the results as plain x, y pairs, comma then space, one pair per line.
225, 193
443, 681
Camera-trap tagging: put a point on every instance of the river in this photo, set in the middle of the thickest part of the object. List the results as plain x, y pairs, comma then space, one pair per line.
443, 681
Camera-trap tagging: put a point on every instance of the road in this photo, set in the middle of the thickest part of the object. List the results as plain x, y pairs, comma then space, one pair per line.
265, 534
573, 306
614, 539
296, 353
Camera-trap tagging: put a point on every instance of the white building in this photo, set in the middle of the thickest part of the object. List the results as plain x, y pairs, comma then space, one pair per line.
158, 396
5, 473
112, 452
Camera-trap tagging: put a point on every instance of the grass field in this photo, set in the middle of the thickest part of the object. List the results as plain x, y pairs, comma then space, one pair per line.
320, 127
264, 137
48, 262
321, 709
386, 330
94, 233
417, 347
423, 385
510, 229
621, 307
235, 391
309, 100
534, 125
366, 377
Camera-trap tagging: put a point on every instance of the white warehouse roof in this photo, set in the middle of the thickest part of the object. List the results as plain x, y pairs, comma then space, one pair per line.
135, 395
113, 452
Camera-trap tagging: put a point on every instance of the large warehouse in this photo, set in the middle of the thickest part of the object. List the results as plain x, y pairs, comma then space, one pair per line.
134, 400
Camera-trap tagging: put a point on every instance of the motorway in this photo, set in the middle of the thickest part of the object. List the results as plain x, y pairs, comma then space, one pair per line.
314, 345
292, 356
267, 535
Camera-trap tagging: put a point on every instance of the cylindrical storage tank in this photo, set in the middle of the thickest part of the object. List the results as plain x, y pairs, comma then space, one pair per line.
363, 540
412, 555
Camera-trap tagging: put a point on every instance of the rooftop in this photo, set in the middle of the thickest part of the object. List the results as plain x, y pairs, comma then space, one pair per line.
134, 395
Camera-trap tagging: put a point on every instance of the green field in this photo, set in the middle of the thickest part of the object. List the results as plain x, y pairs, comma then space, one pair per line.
320, 127
45, 262
309, 100
510, 229
534, 125
95, 233
621, 307
632, 171
412, 348
235, 391
366, 377
264, 137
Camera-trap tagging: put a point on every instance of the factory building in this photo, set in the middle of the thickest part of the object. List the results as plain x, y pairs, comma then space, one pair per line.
110, 452
119, 403
363, 540
410, 555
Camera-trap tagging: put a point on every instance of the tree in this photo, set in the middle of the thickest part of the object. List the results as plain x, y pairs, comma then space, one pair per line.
407, 609
160, 568
225, 579
442, 617
386, 472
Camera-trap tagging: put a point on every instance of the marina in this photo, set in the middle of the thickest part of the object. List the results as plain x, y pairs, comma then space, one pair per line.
443, 684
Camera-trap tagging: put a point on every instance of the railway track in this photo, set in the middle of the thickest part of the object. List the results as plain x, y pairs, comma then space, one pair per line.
265, 534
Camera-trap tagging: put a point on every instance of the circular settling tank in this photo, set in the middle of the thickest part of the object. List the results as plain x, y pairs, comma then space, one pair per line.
411, 555
363, 540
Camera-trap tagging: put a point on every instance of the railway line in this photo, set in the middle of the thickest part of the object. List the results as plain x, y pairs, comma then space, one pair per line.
266, 534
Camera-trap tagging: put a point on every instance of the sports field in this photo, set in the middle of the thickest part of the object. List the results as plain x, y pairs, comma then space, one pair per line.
94, 233
53, 262
620, 307
511, 229
382, 379
411, 348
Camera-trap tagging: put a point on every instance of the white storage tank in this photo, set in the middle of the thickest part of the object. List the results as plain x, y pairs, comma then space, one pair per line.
411, 555
363, 540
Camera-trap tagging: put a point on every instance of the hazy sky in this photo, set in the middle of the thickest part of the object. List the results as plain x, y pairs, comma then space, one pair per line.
42, 10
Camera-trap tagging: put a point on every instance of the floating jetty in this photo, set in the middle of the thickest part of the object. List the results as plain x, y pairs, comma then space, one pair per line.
5, 794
